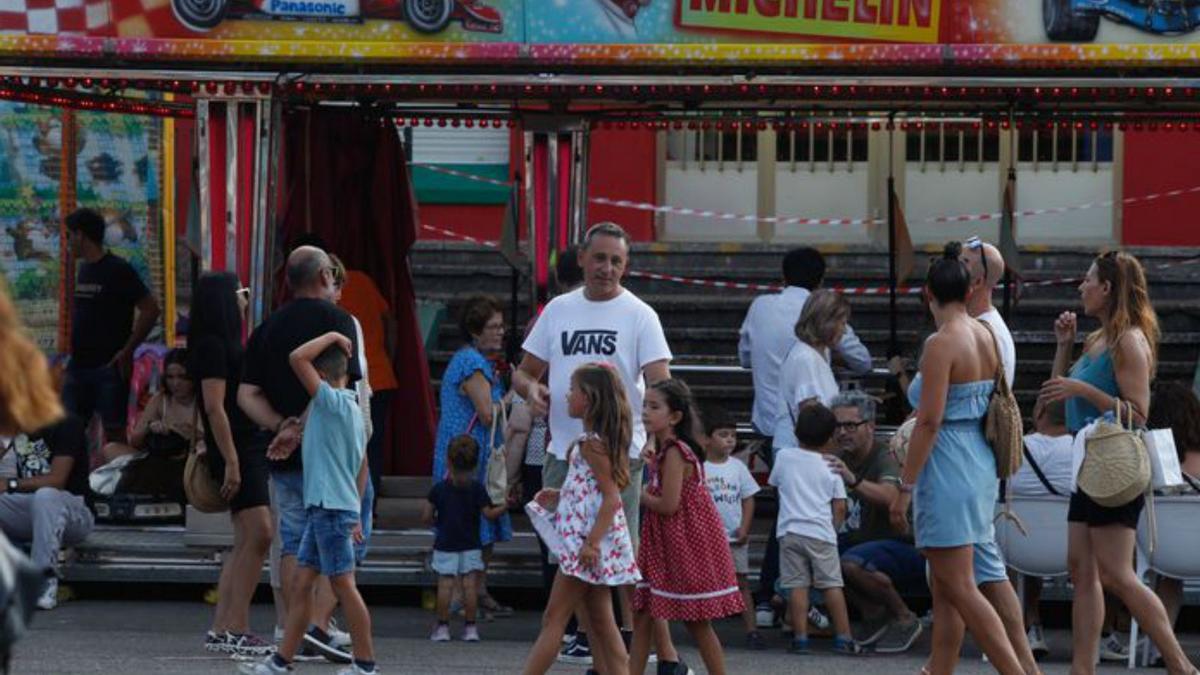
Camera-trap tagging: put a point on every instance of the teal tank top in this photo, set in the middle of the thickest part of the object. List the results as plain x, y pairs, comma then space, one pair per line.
1099, 373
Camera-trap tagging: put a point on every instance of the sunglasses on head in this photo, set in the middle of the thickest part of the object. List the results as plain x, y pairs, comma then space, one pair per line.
976, 244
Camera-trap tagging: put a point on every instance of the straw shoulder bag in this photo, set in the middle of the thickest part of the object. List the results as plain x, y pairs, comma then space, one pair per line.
1003, 427
1116, 466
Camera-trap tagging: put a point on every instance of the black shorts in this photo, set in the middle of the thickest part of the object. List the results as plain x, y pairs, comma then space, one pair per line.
255, 490
1084, 510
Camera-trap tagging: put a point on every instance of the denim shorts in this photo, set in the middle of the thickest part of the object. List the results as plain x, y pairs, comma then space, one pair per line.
102, 391
327, 545
366, 512
289, 504
897, 560
457, 563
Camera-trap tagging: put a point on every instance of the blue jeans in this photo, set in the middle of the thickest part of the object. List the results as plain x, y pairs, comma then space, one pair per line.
326, 545
289, 504
89, 391
897, 560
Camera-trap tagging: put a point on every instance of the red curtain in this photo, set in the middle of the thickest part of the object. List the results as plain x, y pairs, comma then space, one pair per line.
346, 181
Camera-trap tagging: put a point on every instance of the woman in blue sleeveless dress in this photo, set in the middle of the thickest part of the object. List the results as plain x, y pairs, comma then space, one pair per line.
1118, 362
949, 475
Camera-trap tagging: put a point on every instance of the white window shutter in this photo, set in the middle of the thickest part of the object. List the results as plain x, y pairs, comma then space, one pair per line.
448, 145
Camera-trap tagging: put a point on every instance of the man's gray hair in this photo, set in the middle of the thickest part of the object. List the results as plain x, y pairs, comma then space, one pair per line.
304, 267
607, 229
861, 400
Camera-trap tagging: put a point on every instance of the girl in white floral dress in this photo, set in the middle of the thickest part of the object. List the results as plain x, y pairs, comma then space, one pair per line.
587, 529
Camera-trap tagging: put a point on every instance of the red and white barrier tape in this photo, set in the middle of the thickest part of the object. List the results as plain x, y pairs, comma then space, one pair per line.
798, 220
708, 283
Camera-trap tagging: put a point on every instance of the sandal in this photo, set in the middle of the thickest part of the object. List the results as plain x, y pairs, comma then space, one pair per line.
488, 603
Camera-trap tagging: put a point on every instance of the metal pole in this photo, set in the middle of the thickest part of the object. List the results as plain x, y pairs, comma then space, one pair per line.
893, 346
531, 220
1008, 213
204, 184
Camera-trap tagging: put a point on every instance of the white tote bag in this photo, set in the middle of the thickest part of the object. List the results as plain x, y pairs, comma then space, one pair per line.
1164, 460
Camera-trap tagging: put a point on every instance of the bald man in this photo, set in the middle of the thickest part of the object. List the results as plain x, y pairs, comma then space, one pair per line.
272, 396
986, 267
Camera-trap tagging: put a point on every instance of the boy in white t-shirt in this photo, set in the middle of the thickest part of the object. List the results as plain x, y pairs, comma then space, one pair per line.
812, 505
732, 488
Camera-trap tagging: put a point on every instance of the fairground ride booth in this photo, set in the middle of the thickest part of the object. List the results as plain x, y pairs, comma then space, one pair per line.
214, 134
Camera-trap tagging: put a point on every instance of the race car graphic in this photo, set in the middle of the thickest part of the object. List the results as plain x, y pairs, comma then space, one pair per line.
425, 16
1078, 20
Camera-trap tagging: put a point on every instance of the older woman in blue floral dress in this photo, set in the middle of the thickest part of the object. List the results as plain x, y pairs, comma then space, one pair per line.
470, 389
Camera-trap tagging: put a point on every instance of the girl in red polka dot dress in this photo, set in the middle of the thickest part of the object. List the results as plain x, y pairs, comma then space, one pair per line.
687, 570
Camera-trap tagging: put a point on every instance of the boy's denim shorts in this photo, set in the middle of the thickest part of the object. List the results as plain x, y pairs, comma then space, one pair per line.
327, 545
457, 563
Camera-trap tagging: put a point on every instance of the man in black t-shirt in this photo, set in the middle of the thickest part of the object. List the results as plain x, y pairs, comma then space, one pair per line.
104, 333
44, 503
273, 398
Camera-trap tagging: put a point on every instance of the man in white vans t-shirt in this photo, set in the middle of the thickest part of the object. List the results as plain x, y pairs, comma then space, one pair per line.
601, 322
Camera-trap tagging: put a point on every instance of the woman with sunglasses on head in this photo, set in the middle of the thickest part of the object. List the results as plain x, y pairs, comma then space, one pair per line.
1118, 362
949, 476
215, 338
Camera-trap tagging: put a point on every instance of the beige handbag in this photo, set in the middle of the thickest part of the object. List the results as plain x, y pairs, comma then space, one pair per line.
203, 492
1116, 466
1003, 426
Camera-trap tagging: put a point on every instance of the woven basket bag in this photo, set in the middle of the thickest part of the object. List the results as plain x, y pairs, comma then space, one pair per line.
1116, 466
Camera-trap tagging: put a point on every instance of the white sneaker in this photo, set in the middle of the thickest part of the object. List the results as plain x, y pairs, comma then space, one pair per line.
1115, 647
353, 669
338, 638
1037, 642
265, 667
764, 616
471, 634
49, 597
441, 633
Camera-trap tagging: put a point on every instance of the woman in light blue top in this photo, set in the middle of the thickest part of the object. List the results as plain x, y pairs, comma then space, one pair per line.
1118, 362
950, 466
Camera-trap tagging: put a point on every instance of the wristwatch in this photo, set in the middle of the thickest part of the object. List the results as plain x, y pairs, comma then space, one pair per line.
907, 487
12, 485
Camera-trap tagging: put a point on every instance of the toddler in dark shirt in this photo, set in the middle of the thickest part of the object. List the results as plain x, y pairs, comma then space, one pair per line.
453, 506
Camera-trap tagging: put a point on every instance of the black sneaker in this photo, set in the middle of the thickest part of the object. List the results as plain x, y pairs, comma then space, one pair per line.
674, 668
319, 641
577, 652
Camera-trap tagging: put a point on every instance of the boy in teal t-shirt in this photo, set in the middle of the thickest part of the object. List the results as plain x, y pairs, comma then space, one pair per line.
335, 475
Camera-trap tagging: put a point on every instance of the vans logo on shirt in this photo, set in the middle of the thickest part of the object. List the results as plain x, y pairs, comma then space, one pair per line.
589, 343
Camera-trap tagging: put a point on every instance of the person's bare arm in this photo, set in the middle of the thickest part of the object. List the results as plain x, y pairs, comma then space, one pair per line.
427, 516
657, 371
479, 391
212, 393
839, 513
743, 532
60, 471
253, 401
672, 473
147, 315
152, 413
610, 498
301, 359
1064, 338
527, 382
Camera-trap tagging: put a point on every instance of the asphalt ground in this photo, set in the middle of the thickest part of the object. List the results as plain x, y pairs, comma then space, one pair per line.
135, 630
